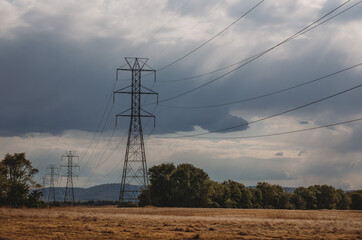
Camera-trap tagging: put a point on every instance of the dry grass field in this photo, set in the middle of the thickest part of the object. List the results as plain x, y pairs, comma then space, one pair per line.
177, 223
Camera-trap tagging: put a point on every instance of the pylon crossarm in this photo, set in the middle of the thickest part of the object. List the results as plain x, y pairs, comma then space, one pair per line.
148, 113
133, 93
120, 114
121, 89
151, 91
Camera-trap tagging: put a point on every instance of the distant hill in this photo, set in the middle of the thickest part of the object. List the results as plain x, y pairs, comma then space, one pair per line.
105, 192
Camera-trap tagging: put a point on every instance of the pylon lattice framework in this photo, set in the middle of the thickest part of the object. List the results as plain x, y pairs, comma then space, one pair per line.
69, 190
51, 190
135, 165
44, 183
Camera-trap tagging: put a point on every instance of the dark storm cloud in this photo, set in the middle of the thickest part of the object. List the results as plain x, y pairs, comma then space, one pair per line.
267, 76
51, 82
50, 85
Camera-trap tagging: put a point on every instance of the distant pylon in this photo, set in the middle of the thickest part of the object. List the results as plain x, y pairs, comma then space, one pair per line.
44, 181
135, 166
43, 186
51, 190
69, 190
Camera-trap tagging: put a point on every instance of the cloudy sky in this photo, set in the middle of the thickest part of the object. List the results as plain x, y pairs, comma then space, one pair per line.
58, 62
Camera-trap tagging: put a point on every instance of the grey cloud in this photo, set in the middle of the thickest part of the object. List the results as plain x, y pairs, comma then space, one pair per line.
345, 18
57, 73
352, 142
193, 8
251, 169
51, 86
301, 153
279, 154
329, 167
51, 83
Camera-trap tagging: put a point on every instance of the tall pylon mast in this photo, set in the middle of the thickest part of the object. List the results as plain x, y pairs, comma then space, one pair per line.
69, 190
44, 183
134, 175
51, 190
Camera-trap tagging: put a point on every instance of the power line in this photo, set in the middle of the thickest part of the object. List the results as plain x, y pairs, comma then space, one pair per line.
285, 133
101, 158
109, 141
99, 124
266, 94
265, 118
237, 63
251, 59
139, 49
119, 162
100, 135
209, 40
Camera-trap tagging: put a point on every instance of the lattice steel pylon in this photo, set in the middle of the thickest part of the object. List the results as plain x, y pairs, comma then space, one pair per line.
69, 190
43, 185
51, 190
134, 175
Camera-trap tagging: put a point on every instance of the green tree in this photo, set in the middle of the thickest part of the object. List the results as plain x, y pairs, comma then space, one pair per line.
327, 197
190, 186
356, 200
236, 195
4, 184
299, 198
344, 200
217, 195
256, 198
160, 187
182, 186
273, 196
16, 174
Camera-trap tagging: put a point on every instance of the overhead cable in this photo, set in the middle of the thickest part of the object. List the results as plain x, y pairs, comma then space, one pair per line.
209, 40
269, 117
285, 133
250, 60
244, 60
266, 94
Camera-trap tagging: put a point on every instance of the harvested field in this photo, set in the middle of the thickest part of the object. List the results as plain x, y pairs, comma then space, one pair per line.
177, 223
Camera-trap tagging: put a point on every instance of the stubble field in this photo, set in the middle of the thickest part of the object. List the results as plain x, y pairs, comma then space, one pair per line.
177, 223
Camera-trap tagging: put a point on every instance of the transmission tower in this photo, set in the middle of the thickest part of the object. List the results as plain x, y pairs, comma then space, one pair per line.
135, 166
44, 181
51, 190
43, 185
69, 191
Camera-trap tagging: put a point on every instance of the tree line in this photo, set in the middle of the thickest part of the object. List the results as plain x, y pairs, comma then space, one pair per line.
187, 186
183, 186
